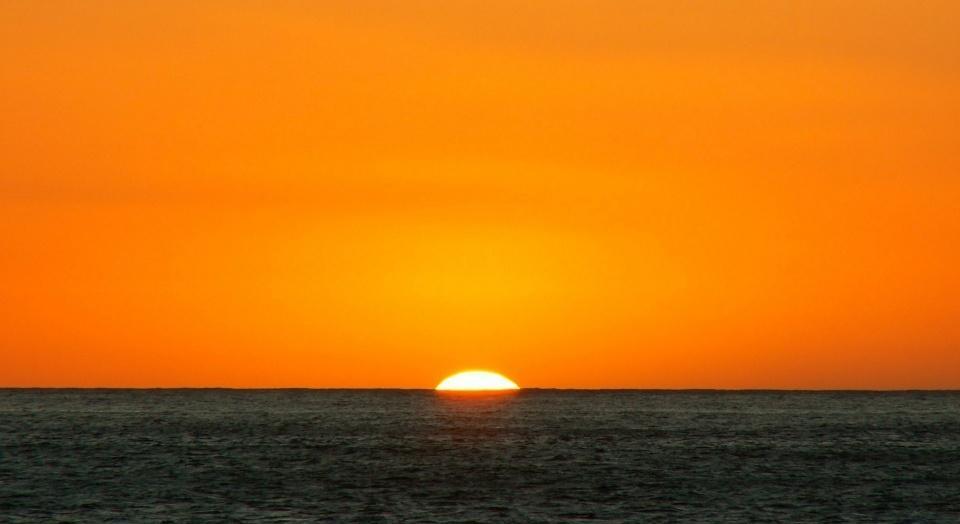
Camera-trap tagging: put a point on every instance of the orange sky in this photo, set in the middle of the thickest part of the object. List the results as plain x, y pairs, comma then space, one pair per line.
377, 193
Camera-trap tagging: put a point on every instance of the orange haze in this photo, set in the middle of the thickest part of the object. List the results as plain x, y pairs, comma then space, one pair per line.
378, 193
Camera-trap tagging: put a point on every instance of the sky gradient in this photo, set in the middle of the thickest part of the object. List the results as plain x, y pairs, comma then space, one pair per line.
678, 194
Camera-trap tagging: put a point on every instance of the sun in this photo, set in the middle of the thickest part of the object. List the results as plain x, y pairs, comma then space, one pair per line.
477, 381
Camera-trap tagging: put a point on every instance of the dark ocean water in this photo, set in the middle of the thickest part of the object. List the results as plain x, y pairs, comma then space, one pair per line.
533, 456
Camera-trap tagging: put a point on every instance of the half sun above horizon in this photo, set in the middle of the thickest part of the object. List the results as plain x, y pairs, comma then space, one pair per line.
477, 381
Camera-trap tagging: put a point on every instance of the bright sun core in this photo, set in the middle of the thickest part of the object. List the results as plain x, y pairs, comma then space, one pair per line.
477, 381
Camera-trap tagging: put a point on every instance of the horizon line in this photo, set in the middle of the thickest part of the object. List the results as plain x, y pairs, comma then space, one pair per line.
650, 390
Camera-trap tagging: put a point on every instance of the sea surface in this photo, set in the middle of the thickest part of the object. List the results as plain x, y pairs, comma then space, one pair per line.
532, 456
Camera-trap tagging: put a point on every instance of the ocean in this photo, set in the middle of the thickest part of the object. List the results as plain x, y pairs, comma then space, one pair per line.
531, 456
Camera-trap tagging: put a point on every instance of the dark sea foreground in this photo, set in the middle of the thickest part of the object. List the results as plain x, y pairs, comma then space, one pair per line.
533, 456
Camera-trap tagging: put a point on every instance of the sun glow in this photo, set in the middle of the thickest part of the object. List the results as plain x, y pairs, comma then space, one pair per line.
477, 381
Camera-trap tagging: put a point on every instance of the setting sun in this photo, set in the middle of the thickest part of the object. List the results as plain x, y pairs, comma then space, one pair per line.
716, 240
476, 381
